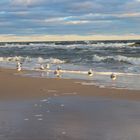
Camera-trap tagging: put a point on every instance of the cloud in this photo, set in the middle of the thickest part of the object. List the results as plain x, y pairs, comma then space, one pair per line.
129, 15
4, 23
77, 22
26, 2
54, 20
132, 6
65, 20
81, 17
84, 5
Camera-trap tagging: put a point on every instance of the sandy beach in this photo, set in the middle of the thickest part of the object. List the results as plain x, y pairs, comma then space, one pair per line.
60, 109
13, 86
70, 70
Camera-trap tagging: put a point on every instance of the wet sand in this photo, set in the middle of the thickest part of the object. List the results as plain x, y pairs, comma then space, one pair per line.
15, 86
70, 118
58, 109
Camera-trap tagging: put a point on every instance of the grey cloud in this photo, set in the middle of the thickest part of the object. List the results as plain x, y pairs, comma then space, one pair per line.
132, 6
85, 6
26, 2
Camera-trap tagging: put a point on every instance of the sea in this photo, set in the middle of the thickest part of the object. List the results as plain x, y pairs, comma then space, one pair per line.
103, 57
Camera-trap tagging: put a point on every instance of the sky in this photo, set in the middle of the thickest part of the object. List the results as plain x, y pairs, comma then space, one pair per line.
35, 20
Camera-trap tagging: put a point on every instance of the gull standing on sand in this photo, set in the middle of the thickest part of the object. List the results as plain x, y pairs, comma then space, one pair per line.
57, 71
113, 76
18, 66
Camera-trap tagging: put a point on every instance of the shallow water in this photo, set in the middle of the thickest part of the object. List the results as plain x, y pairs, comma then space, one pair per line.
131, 82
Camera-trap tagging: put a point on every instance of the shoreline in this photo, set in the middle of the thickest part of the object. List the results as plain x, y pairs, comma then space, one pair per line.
15, 86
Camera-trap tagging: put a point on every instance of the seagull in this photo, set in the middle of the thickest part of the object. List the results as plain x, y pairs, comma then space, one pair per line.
57, 72
113, 76
42, 67
18, 66
90, 72
47, 66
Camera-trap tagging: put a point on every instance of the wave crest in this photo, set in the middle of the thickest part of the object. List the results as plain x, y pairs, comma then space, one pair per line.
32, 60
118, 58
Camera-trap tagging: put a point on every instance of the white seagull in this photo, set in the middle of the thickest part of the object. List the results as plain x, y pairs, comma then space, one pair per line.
18, 66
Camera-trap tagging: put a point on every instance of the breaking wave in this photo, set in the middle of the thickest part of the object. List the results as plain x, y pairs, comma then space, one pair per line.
118, 58
31, 60
68, 45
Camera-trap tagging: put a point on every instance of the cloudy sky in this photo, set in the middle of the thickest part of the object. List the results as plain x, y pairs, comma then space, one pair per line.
64, 19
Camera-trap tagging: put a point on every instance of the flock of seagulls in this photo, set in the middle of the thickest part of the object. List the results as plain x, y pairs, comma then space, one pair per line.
58, 71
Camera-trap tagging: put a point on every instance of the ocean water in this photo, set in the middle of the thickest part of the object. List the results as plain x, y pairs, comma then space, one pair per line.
103, 57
